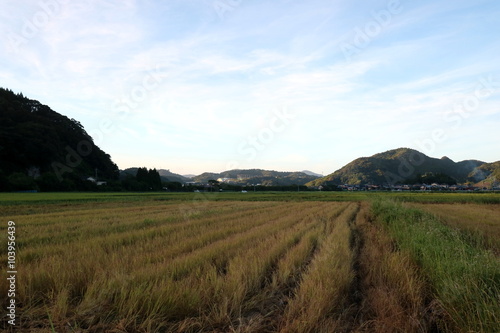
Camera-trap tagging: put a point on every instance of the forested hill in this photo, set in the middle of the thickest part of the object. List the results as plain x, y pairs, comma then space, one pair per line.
404, 165
258, 176
42, 149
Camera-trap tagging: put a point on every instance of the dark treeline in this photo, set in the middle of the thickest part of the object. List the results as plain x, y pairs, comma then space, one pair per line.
430, 178
214, 186
144, 180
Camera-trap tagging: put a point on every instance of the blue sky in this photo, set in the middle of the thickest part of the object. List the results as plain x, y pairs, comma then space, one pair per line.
211, 85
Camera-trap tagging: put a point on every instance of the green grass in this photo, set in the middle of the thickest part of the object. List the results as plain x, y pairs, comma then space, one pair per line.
10, 199
62, 197
465, 277
443, 197
55, 198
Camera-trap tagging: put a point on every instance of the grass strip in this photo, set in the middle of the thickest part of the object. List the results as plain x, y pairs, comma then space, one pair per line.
465, 278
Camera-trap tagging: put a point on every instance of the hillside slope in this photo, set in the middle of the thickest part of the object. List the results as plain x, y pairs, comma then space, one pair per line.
398, 165
487, 175
39, 143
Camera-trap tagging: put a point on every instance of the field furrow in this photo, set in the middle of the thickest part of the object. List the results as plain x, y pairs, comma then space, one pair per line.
111, 261
53, 229
235, 297
188, 264
318, 302
274, 298
389, 294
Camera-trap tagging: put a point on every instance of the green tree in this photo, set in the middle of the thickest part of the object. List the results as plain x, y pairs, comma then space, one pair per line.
142, 175
149, 179
213, 184
154, 180
20, 182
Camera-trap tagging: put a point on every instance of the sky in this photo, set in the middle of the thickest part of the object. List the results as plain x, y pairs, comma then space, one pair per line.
288, 85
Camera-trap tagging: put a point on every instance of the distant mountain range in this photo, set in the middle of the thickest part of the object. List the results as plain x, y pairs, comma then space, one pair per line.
406, 165
165, 175
310, 173
402, 165
235, 177
257, 176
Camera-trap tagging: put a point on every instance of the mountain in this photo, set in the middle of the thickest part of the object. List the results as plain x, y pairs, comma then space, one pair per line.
487, 175
165, 175
403, 165
168, 176
40, 148
257, 176
310, 173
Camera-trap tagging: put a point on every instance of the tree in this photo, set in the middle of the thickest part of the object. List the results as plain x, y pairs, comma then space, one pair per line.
213, 183
429, 178
173, 186
148, 179
142, 175
154, 180
20, 182
49, 182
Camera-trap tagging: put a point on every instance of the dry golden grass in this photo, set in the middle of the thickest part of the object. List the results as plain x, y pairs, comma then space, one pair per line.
149, 267
222, 266
324, 290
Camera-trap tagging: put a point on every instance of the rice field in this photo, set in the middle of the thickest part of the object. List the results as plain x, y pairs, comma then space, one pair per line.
169, 264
